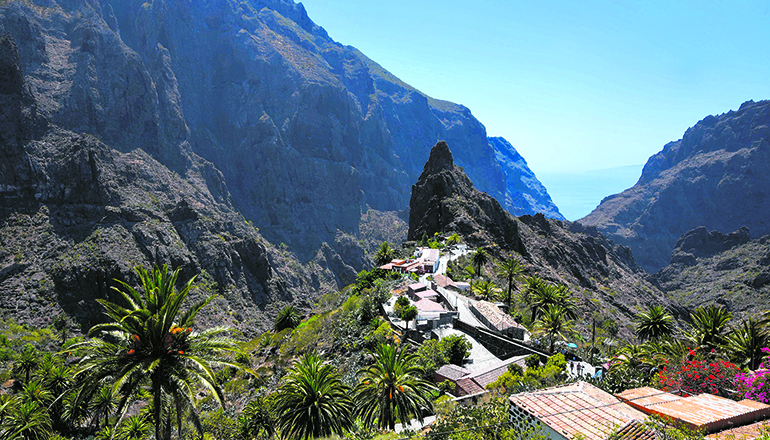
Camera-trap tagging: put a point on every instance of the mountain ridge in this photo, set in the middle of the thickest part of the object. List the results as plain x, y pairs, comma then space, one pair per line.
714, 177
603, 275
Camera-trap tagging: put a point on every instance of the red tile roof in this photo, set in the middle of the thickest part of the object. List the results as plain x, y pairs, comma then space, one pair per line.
452, 372
702, 412
635, 430
578, 408
746, 432
467, 386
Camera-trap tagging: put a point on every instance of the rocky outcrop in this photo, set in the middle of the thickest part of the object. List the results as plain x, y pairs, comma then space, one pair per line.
715, 177
708, 267
307, 133
603, 275
76, 214
700, 243
525, 194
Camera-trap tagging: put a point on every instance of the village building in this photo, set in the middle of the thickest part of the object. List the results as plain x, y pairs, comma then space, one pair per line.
577, 410
496, 320
444, 281
469, 383
702, 412
581, 409
432, 314
426, 260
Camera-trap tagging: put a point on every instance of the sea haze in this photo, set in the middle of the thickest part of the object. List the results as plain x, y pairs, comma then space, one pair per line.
578, 193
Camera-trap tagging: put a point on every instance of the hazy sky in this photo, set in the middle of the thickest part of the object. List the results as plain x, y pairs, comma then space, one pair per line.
574, 86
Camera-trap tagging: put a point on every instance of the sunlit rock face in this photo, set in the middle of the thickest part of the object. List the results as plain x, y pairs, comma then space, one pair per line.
715, 176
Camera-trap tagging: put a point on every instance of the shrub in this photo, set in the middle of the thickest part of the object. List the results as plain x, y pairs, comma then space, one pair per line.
697, 376
755, 385
532, 361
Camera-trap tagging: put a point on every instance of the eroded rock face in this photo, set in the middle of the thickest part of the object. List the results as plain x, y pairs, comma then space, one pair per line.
525, 194
715, 176
76, 214
603, 275
306, 132
708, 267
700, 242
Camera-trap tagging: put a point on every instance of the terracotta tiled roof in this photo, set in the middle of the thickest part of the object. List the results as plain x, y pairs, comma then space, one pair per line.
646, 396
494, 315
578, 408
467, 386
484, 378
746, 432
702, 412
635, 430
452, 372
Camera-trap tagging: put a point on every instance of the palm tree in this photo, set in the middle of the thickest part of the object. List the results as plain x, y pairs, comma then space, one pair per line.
312, 401
256, 420
384, 254
26, 420
392, 388
510, 269
469, 273
150, 344
35, 392
27, 361
545, 294
745, 343
654, 323
553, 322
103, 404
136, 427
288, 317
478, 260
485, 289
708, 326
531, 285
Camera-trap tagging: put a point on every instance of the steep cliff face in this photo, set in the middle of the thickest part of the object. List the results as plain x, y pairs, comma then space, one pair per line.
708, 267
306, 132
75, 214
715, 176
524, 193
603, 275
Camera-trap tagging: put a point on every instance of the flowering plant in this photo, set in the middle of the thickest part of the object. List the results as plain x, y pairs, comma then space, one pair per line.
696, 376
755, 385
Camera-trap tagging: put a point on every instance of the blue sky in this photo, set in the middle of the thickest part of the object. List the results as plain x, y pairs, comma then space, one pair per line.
574, 86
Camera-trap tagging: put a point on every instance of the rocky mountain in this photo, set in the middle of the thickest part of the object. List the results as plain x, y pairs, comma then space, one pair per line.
525, 194
715, 176
604, 276
307, 133
75, 214
728, 269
